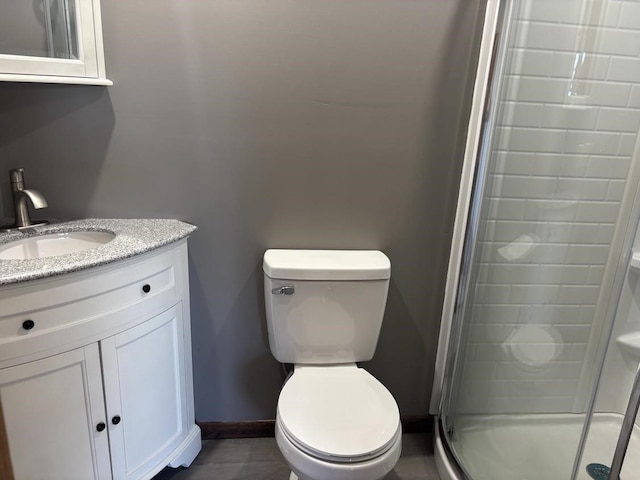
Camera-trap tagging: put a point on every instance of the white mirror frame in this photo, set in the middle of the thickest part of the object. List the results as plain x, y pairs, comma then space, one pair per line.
88, 69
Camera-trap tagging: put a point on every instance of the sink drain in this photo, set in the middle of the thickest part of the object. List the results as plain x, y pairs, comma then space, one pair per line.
598, 471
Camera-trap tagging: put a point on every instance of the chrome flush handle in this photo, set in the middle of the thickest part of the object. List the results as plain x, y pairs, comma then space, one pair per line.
285, 290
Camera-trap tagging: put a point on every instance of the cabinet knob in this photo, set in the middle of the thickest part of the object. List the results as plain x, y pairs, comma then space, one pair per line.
101, 426
116, 419
146, 288
28, 324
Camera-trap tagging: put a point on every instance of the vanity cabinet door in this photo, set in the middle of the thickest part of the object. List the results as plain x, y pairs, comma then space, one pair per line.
54, 417
144, 379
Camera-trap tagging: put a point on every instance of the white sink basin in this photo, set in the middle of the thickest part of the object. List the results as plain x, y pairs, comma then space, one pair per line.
53, 244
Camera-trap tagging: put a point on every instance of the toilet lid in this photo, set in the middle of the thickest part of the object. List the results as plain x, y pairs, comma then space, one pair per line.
338, 413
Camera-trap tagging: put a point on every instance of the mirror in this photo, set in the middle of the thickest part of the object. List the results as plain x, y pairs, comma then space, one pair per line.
39, 28
51, 41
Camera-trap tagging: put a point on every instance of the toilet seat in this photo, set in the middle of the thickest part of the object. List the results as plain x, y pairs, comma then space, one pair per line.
338, 413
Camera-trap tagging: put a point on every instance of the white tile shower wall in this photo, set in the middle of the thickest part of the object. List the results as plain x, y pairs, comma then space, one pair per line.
570, 114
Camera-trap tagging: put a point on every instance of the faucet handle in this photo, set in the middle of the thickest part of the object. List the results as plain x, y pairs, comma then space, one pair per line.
17, 178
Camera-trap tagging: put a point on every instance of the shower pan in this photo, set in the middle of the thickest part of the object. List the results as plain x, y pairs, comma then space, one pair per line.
540, 339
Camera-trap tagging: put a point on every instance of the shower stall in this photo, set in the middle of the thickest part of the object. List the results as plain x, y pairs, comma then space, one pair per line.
536, 376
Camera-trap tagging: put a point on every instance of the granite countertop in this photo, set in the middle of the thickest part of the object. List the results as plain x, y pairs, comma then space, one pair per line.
133, 237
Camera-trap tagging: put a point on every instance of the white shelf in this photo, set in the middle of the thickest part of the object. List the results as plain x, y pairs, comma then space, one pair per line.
630, 343
10, 77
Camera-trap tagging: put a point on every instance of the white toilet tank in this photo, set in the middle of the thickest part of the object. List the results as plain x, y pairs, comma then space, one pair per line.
325, 306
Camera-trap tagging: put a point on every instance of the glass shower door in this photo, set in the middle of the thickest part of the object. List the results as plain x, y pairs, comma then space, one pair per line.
545, 253
625, 438
612, 442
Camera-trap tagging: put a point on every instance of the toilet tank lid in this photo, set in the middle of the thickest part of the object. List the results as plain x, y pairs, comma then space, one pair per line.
326, 264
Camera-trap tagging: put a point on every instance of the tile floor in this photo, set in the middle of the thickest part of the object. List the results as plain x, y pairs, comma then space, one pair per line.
259, 459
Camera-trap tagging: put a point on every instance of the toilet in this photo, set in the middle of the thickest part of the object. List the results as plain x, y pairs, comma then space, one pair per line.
334, 420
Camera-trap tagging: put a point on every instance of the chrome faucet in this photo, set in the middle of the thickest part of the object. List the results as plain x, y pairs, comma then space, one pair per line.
20, 196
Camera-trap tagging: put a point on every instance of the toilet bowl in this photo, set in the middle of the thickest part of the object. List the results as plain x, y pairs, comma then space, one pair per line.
334, 421
337, 422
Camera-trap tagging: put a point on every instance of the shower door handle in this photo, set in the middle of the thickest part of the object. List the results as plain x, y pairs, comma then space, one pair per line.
626, 430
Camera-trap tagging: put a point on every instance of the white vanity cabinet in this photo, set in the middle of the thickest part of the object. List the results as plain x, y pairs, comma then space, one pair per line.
95, 371
51, 408
145, 391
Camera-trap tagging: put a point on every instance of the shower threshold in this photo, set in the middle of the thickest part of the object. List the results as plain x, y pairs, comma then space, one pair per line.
539, 446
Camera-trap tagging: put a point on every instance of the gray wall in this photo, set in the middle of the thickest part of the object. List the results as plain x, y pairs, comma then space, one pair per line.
307, 124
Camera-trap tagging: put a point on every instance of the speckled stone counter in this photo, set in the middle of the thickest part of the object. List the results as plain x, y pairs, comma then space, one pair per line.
132, 237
